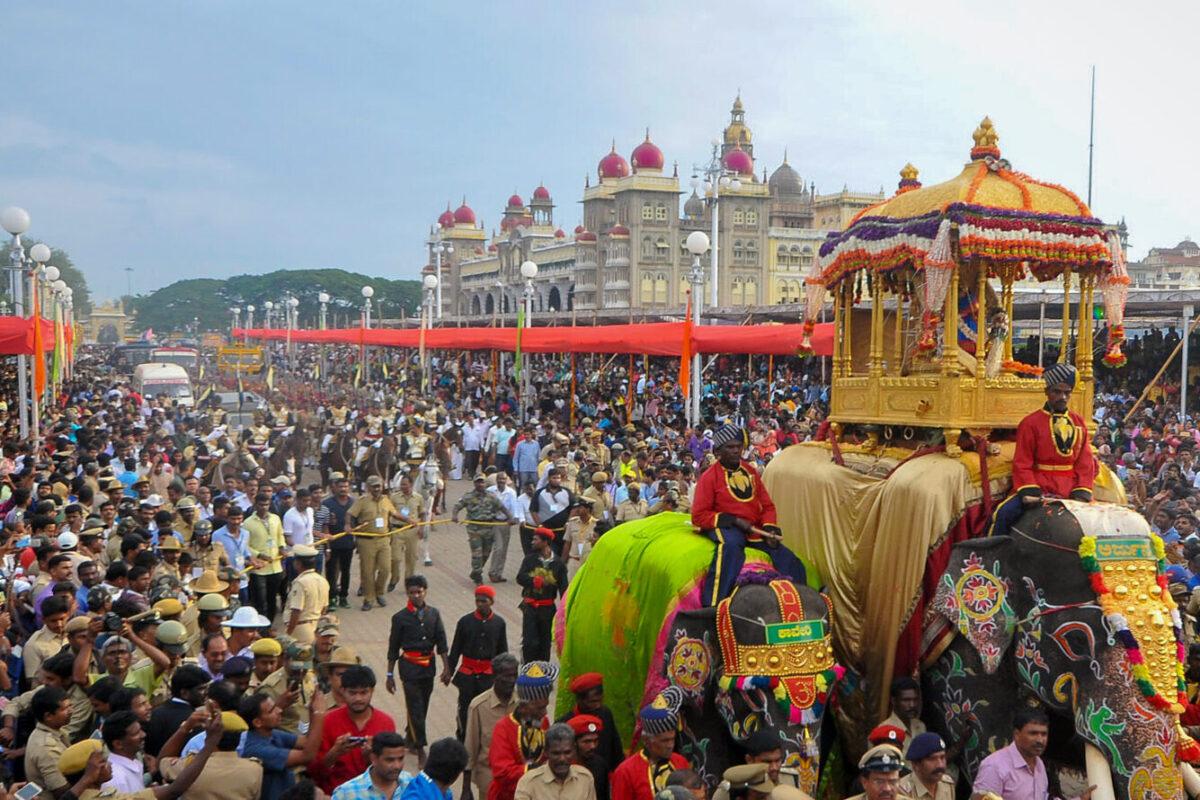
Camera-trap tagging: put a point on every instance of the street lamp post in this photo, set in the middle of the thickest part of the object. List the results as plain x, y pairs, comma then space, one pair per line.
367, 292
716, 177
16, 221
432, 286
268, 307
438, 247
323, 299
529, 271
696, 243
290, 306
236, 311
45, 281
249, 323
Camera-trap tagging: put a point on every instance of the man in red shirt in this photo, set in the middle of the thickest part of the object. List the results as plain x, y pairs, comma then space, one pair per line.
644, 774
1053, 457
346, 737
519, 740
731, 506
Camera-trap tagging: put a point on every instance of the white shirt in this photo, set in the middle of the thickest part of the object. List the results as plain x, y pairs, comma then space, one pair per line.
126, 774
472, 435
509, 500
525, 515
298, 526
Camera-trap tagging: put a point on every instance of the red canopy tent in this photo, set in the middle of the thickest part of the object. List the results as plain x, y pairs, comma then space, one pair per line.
16, 336
654, 338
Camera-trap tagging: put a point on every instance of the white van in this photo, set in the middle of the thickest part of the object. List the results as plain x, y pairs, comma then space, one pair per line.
152, 379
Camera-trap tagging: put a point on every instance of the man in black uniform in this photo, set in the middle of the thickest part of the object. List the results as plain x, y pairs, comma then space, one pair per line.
588, 689
543, 578
479, 637
417, 631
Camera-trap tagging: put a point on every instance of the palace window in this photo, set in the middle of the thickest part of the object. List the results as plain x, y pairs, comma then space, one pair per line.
647, 212
660, 212
739, 217
752, 219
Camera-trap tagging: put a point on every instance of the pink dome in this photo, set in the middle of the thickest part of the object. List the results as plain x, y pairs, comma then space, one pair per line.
585, 236
560, 234
464, 215
541, 193
478, 251
618, 230
613, 165
492, 248
739, 161
647, 155
578, 229
516, 202
446, 220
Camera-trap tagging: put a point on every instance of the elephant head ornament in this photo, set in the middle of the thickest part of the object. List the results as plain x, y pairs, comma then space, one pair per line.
763, 660
1070, 609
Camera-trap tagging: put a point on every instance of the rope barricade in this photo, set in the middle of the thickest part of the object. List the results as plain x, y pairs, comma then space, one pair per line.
382, 535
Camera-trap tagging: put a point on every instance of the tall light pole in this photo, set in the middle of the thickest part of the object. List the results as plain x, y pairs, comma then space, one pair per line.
323, 299
697, 243
716, 177
249, 323
289, 308
268, 307
16, 221
437, 247
529, 271
236, 311
432, 289
367, 292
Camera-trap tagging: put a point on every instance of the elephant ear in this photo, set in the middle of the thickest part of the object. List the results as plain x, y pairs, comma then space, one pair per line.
974, 597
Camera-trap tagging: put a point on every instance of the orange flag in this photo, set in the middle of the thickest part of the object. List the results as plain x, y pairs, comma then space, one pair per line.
39, 349
685, 354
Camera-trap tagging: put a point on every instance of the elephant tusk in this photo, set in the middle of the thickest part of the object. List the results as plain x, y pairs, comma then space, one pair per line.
1191, 781
1099, 773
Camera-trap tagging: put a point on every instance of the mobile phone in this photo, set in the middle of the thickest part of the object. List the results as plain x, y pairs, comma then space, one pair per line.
293, 685
354, 739
28, 792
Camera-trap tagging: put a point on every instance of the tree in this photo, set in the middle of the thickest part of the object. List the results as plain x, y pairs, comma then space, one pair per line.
69, 273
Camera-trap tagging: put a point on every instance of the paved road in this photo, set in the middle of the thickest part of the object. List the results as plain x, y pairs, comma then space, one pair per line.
451, 591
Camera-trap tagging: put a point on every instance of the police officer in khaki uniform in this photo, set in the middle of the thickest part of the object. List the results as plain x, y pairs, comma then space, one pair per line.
308, 597
168, 544
744, 782
203, 617
410, 506
373, 513
226, 776
602, 503
927, 754
880, 769
294, 681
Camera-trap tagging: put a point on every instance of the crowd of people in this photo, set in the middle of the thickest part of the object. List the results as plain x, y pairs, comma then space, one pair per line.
168, 634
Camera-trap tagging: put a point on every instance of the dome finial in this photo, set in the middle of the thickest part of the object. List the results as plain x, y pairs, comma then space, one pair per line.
985, 137
785, 156
908, 179
614, 144
647, 133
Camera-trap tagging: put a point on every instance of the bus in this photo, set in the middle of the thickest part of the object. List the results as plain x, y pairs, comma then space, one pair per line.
186, 357
240, 358
127, 356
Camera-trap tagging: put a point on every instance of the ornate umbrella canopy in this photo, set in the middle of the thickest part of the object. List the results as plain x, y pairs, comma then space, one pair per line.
1004, 218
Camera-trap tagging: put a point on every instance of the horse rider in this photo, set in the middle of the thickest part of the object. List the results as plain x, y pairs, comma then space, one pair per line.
338, 417
1053, 456
258, 437
214, 413
417, 443
282, 423
374, 426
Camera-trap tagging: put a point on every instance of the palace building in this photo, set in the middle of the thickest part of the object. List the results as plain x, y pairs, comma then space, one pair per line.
628, 256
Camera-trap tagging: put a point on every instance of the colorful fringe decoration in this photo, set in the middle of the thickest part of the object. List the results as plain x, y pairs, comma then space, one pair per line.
1114, 288
938, 266
814, 300
1021, 368
797, 715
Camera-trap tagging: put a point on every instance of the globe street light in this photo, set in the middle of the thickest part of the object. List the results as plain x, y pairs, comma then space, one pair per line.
15, 220
323, 299
268, 308
431, 284
249, 323
716, 177
529, 271
697, 243
236, 311
367, 293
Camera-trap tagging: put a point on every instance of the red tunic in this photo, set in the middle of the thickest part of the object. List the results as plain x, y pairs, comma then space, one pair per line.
632, 781
506, 759
1053, 455
721, 494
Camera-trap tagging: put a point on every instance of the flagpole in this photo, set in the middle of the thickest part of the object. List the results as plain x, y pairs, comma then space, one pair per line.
1092, 136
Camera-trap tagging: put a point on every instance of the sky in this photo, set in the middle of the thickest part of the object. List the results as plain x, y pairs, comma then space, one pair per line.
218, 137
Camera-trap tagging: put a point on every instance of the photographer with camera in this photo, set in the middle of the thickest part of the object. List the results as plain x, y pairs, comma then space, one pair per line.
116, 655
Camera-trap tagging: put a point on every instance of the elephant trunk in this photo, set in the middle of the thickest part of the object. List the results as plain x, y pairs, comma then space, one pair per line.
1099, 774
1191, 781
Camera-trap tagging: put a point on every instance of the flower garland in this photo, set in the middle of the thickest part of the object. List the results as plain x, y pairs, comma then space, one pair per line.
796, 716
1021, 368
1114, 357
1120, 626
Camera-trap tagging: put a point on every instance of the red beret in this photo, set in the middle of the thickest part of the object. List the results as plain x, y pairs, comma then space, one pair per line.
887, 734
486, 591
588, 680
584, 724
549, 534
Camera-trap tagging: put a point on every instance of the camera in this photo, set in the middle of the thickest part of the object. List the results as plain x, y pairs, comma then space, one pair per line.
112, 623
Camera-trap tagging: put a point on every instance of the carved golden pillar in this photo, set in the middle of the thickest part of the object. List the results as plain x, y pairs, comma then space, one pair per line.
838, 333
848, 325
981, 322
1008, 310
898, 360
1083, 349
875, 355
950, 327
1066, 318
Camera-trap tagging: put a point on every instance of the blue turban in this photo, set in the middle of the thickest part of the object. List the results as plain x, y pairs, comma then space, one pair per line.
1060, 373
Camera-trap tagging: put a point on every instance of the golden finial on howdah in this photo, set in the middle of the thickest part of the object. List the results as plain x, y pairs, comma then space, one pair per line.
909, 173
985, 137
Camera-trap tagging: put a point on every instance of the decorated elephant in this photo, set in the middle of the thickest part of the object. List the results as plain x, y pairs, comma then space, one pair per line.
762, 659
1071, 611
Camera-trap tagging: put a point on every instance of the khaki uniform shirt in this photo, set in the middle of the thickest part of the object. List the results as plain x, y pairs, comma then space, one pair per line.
211, 557
226, 776
629, 510
915, 729
163, 568
42, 752
482, 715
41, 645
912, 787
184, 529
372, 516
540, 784
410, 507
602, 504
310, 596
